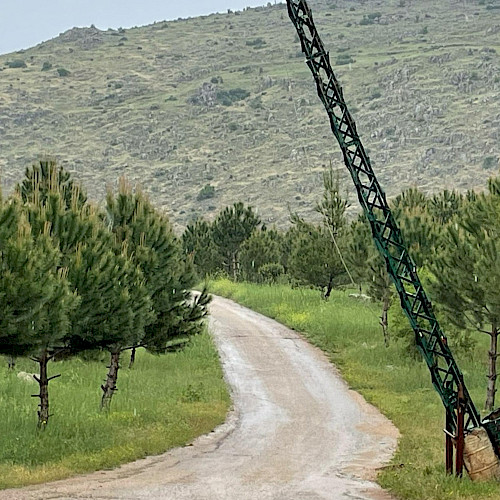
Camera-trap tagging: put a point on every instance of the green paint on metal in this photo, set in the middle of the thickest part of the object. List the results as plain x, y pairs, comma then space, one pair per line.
431, 341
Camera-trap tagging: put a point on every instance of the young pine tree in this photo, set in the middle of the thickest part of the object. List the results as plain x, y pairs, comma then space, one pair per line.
317, 253
230, 229
113, 303
148, 239
369, 267
197, 242
35, 297
262, 248
467, 273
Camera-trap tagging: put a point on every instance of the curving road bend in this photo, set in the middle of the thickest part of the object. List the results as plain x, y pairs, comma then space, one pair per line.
296, 432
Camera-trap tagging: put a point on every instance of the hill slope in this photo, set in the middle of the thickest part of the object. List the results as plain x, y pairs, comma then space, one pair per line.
227, 100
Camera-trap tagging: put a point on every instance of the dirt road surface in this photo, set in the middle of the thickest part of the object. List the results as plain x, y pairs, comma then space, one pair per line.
296, 432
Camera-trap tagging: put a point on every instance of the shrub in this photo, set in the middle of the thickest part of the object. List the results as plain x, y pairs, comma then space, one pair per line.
257, 43
490, 162
16, 63
370, 18
206, 192
270, 273
46, 66
228, 97
344, 59
63, 72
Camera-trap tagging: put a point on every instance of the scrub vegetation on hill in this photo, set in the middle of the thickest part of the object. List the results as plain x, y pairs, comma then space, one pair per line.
227, 100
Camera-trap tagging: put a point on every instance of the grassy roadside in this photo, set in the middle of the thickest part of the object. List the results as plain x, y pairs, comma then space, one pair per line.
347, 331
164, 401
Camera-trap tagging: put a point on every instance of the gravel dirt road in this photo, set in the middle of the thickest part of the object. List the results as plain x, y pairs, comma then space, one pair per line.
296, 432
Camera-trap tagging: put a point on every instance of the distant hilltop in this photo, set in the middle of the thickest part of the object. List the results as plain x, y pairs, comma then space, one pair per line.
208, 111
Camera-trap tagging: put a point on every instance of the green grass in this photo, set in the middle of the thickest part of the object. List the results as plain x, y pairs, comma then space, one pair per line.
347, 330
164, 401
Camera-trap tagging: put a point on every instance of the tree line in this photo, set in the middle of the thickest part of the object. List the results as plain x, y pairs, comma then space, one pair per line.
453, 237
77, 277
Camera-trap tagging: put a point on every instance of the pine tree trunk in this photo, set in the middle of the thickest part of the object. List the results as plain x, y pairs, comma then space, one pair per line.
43, 383
12, 362
329, 288
384, 321
109, 388
235, 274
492, 368
132, 358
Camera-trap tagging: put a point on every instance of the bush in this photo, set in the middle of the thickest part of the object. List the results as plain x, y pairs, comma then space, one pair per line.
46, 66
63, 72
490, 162
370, 18
228, 97
257, 43
344, 59
16, 63
270, 273
208, 191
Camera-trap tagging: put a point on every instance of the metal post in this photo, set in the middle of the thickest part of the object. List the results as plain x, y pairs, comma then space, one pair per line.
449, 444
459, 459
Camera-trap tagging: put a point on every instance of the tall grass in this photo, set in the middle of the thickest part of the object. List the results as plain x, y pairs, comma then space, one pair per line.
348, 331
164, 401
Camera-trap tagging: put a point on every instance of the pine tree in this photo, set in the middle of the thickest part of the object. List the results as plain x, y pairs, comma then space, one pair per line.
262, 248
148, 239
444, 206
314, 260
46, 176
333, 205
230, 229
114, 304
198, 243
419, 229
317, 254
35, 297
467, 272
369, 266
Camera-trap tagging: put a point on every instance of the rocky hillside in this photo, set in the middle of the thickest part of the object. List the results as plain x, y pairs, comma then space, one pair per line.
227, 101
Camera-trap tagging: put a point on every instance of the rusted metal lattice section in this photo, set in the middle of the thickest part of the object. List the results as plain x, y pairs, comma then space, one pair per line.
430, 339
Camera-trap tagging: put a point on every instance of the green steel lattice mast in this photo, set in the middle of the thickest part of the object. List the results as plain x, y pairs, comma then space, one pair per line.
430, 339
